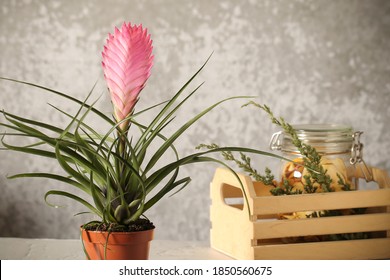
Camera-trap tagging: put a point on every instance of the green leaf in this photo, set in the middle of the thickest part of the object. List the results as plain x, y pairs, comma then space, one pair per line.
97, 112
71, 196
167, 106
168, 188
97, 197
36, 123
33, 151
60, 178
181, 130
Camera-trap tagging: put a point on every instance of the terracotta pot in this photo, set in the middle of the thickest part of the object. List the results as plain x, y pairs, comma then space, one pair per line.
120, 245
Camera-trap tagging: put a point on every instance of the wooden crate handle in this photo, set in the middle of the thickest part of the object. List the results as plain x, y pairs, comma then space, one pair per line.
223, 178
380, 176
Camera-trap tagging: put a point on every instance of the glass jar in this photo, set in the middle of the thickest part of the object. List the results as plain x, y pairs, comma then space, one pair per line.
339, 147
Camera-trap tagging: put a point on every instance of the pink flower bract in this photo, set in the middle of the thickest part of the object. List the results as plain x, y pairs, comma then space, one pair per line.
127, 62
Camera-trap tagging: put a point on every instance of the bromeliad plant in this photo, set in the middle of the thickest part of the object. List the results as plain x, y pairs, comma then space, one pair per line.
120, 172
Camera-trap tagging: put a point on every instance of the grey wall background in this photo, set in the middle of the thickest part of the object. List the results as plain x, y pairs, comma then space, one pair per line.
310, 61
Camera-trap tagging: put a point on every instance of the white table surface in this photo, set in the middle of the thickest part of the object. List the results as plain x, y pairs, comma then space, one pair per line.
71, 249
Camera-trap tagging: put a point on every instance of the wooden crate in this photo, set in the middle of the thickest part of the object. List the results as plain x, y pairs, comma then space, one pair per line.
262, 235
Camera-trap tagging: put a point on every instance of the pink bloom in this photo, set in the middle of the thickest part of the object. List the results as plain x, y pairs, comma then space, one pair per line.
127, 62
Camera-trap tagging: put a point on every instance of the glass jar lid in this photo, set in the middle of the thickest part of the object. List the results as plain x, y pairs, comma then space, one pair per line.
325, 138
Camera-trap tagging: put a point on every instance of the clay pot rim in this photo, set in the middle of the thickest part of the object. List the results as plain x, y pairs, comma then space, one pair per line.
114, 237
115, 232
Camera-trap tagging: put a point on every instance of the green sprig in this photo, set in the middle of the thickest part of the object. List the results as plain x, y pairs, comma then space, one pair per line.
311, 157
244, 164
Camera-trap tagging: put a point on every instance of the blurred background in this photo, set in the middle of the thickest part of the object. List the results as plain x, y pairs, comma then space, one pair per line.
310, 61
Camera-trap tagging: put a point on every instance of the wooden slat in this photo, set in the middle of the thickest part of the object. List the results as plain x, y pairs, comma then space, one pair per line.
346, 250
320, 226
321, 201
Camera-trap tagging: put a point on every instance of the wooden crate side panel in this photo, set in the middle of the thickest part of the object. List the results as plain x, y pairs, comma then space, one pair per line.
231, 234
321, 201
231, 229
267, 229
336, 250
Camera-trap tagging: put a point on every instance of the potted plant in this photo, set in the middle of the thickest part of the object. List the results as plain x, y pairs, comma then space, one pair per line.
118, 170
